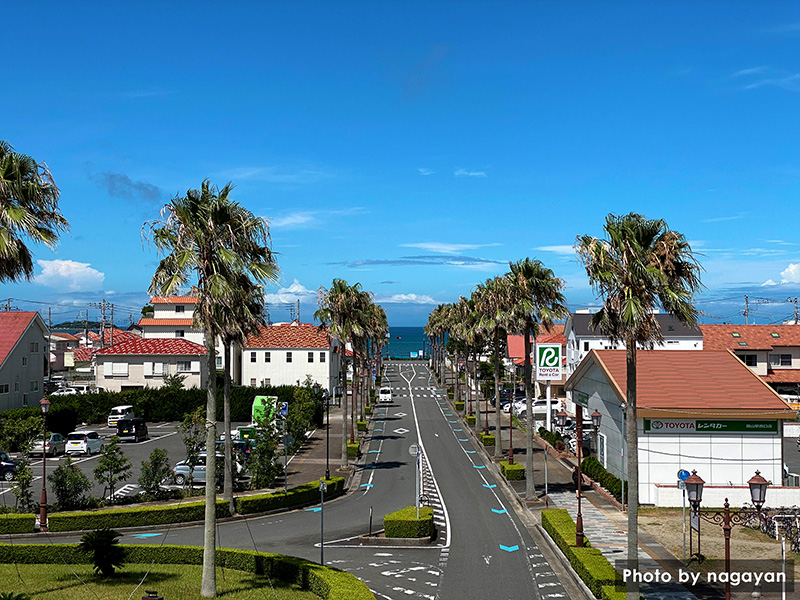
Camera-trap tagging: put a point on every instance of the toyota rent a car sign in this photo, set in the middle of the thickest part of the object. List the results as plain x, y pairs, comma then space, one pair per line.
548, 361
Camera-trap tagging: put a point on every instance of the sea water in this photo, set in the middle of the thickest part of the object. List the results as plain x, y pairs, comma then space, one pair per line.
407, 342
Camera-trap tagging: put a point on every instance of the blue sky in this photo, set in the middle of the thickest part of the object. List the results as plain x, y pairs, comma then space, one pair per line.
414, 147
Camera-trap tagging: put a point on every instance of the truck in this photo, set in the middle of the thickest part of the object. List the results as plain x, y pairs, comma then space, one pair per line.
265, 409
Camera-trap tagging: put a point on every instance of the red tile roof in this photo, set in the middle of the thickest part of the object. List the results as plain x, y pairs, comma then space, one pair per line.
755, 337
62, 335
682, 383
13, 324
165, 322
173, 300
154, 346
289, 335
782, 376
551, 335
82, 354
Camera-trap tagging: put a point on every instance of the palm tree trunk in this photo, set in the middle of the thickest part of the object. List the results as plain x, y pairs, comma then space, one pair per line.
477, 393
227, 489
344, 406
208, 586
631, 435
498, 426
530, 488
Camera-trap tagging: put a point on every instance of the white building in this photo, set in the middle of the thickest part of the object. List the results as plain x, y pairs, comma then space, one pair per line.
287, 353
140, 363
703, 411
24, 359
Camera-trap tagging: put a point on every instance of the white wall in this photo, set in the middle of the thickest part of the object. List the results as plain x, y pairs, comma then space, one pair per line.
136, 371
280, 372
167, 311
714, 496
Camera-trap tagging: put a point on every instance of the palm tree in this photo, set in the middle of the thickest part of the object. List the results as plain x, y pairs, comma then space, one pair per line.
207, 236
641, 265
538, 300
28, 208
340, 310
494, 302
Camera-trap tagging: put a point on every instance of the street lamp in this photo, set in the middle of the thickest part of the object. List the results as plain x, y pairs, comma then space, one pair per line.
596, 418
45, 404
561, 419
727, 518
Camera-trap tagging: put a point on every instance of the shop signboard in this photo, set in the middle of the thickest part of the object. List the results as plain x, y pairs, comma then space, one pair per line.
656, 426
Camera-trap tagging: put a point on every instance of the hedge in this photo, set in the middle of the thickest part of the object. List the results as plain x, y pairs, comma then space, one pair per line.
471, 420
188, 511
404, 523
594, 470
449, 395
17, 523
512, 472
367, 410
352, 449
326, 582
362, 425
593, 568
459, 405
554, 439
487, 439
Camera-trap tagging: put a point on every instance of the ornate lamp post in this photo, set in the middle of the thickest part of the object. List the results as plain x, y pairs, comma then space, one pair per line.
596, 418
727, 518
561, 420
45, 404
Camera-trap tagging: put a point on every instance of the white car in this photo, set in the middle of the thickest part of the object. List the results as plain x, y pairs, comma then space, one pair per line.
385, 395
66, 391
124, 411
539, 408
84, 442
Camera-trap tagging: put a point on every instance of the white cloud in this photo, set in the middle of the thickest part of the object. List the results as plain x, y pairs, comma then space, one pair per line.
291, 293
769, 282
560, 249
465, 173
68, 275
791, 274
406, 299
445, 248
724, 218
425, 171
293, 220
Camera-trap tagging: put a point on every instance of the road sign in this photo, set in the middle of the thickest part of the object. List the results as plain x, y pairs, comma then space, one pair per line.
413, 449
323, 486
287, 441
283, 410
683, 475
681, 485
548, 361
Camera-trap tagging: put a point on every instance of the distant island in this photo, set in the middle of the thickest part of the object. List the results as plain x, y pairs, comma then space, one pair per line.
75, 325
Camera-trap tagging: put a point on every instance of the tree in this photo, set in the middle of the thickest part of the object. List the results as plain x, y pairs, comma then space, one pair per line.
641, 265
112, 466
106, 553
173, 382
537, 301
155, 471
193, 433
262, 463
28, 209
22, 484
70, 486
207, 236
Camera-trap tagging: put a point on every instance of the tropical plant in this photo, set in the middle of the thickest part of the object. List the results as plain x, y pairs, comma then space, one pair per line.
22, 484
641, 265
262, 464
174, 382
106, 553
193, 434
70, 486
537, 301
208, 236
112, 466
28, 209
14, 596
156, 470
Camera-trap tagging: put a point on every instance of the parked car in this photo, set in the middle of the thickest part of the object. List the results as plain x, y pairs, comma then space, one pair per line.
84, 442
56, 444
182, 470
124, 411
8, 467
241, 448
65, 391
132, 430
385, 395
539, 408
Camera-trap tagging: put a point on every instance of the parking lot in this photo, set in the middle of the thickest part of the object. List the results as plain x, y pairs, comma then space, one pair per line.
162, 435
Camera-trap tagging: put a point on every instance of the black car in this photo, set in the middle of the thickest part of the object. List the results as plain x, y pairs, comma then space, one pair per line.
8, 467
132, 430
241, 447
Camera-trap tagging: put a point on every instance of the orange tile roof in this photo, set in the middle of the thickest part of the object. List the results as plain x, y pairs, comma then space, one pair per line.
782, 376
691, 382
551, 335
173, 300
154, 346
289, 335
13, 324
63, 335
755, 337
165, 322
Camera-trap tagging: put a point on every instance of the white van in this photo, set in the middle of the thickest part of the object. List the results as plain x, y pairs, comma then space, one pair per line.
124, 411
385, 395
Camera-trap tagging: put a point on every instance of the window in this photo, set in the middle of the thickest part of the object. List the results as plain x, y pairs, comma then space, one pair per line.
751, 360
24, 361
219, 362
34, 386
321, 357
184, 366
252, 382
34, 346
180, 308
310, 357
120, 368
4, 389
736, 334
267, 356
179, 333
288, 357
780, 360
585, 346
252, 357
743, 343
16, 386
775, 334
25, 399
265, 382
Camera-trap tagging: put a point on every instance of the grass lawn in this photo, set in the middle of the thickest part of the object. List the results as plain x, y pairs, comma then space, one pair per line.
173, 582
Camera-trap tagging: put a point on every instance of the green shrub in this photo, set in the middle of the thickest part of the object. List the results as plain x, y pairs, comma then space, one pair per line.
552, 438
103, 547
487, 439
594, 470
298, 496
367, 410
17, 523
362, 425
459, 405
512, 472
352, 449
326, 582
449, 395
471, 420
404, 523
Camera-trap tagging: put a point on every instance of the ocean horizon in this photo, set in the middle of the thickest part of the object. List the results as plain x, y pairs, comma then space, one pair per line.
407, 342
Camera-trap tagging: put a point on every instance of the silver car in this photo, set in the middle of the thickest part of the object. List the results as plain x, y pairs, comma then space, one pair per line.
182, 470
56, 444
84, 442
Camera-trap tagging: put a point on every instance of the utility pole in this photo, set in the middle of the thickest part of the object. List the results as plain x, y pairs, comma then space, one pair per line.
746, 309
795, 308
49, 341
104, 306
298, 310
